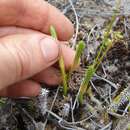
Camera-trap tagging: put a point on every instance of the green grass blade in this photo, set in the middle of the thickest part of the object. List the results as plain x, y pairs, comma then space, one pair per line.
2, 102
84, 85
107, 33
53, 32
79, 50
61, 64
64, 76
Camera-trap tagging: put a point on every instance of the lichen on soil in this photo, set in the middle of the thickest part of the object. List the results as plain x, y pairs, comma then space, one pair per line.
108, 108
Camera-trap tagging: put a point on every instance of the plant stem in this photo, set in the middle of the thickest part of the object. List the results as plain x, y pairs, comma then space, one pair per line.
79, 50
61, 63
84, 85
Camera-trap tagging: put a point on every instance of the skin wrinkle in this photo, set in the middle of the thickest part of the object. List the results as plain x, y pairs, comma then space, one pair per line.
17, 56
20, 70
22, 55
3, 45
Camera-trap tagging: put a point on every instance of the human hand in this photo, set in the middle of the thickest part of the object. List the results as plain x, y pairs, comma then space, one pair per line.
27, 52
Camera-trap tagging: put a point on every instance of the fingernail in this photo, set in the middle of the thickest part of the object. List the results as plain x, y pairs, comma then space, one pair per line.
50, 49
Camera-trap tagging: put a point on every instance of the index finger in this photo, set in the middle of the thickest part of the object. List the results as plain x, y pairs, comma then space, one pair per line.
35, 14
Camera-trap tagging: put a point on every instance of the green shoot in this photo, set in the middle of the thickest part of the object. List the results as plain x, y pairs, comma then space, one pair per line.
79, 50
128, 127
64, 76
61, 63
117, 103
2, 102
107, 43
53, 32
84, 85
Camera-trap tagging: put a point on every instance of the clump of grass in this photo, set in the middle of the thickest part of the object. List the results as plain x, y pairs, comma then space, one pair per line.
120, 104
61, 64
106, 44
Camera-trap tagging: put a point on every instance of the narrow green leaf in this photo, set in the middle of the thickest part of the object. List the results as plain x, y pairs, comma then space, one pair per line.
79, 50
53, 32
128, 127
61, 64
84, 85
64, 76
2, 102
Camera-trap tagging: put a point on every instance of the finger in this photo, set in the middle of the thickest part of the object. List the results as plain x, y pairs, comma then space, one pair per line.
67, 53
68, 56
38, 15
22, 56
25, 88
4, 31
26, 55
50, 76
9, 30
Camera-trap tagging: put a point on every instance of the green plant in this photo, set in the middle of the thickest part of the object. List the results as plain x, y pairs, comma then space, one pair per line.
53, 32
106, 44
61, 63
128, 127
79, 50
2, 102
120, 104
84, 85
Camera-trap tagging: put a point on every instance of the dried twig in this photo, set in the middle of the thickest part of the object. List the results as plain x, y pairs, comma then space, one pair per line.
108, 126
30, 117
68, 7
106, 80
77, 25
53, 102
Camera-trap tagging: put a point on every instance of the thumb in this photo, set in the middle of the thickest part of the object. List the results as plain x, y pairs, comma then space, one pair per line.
22, 56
